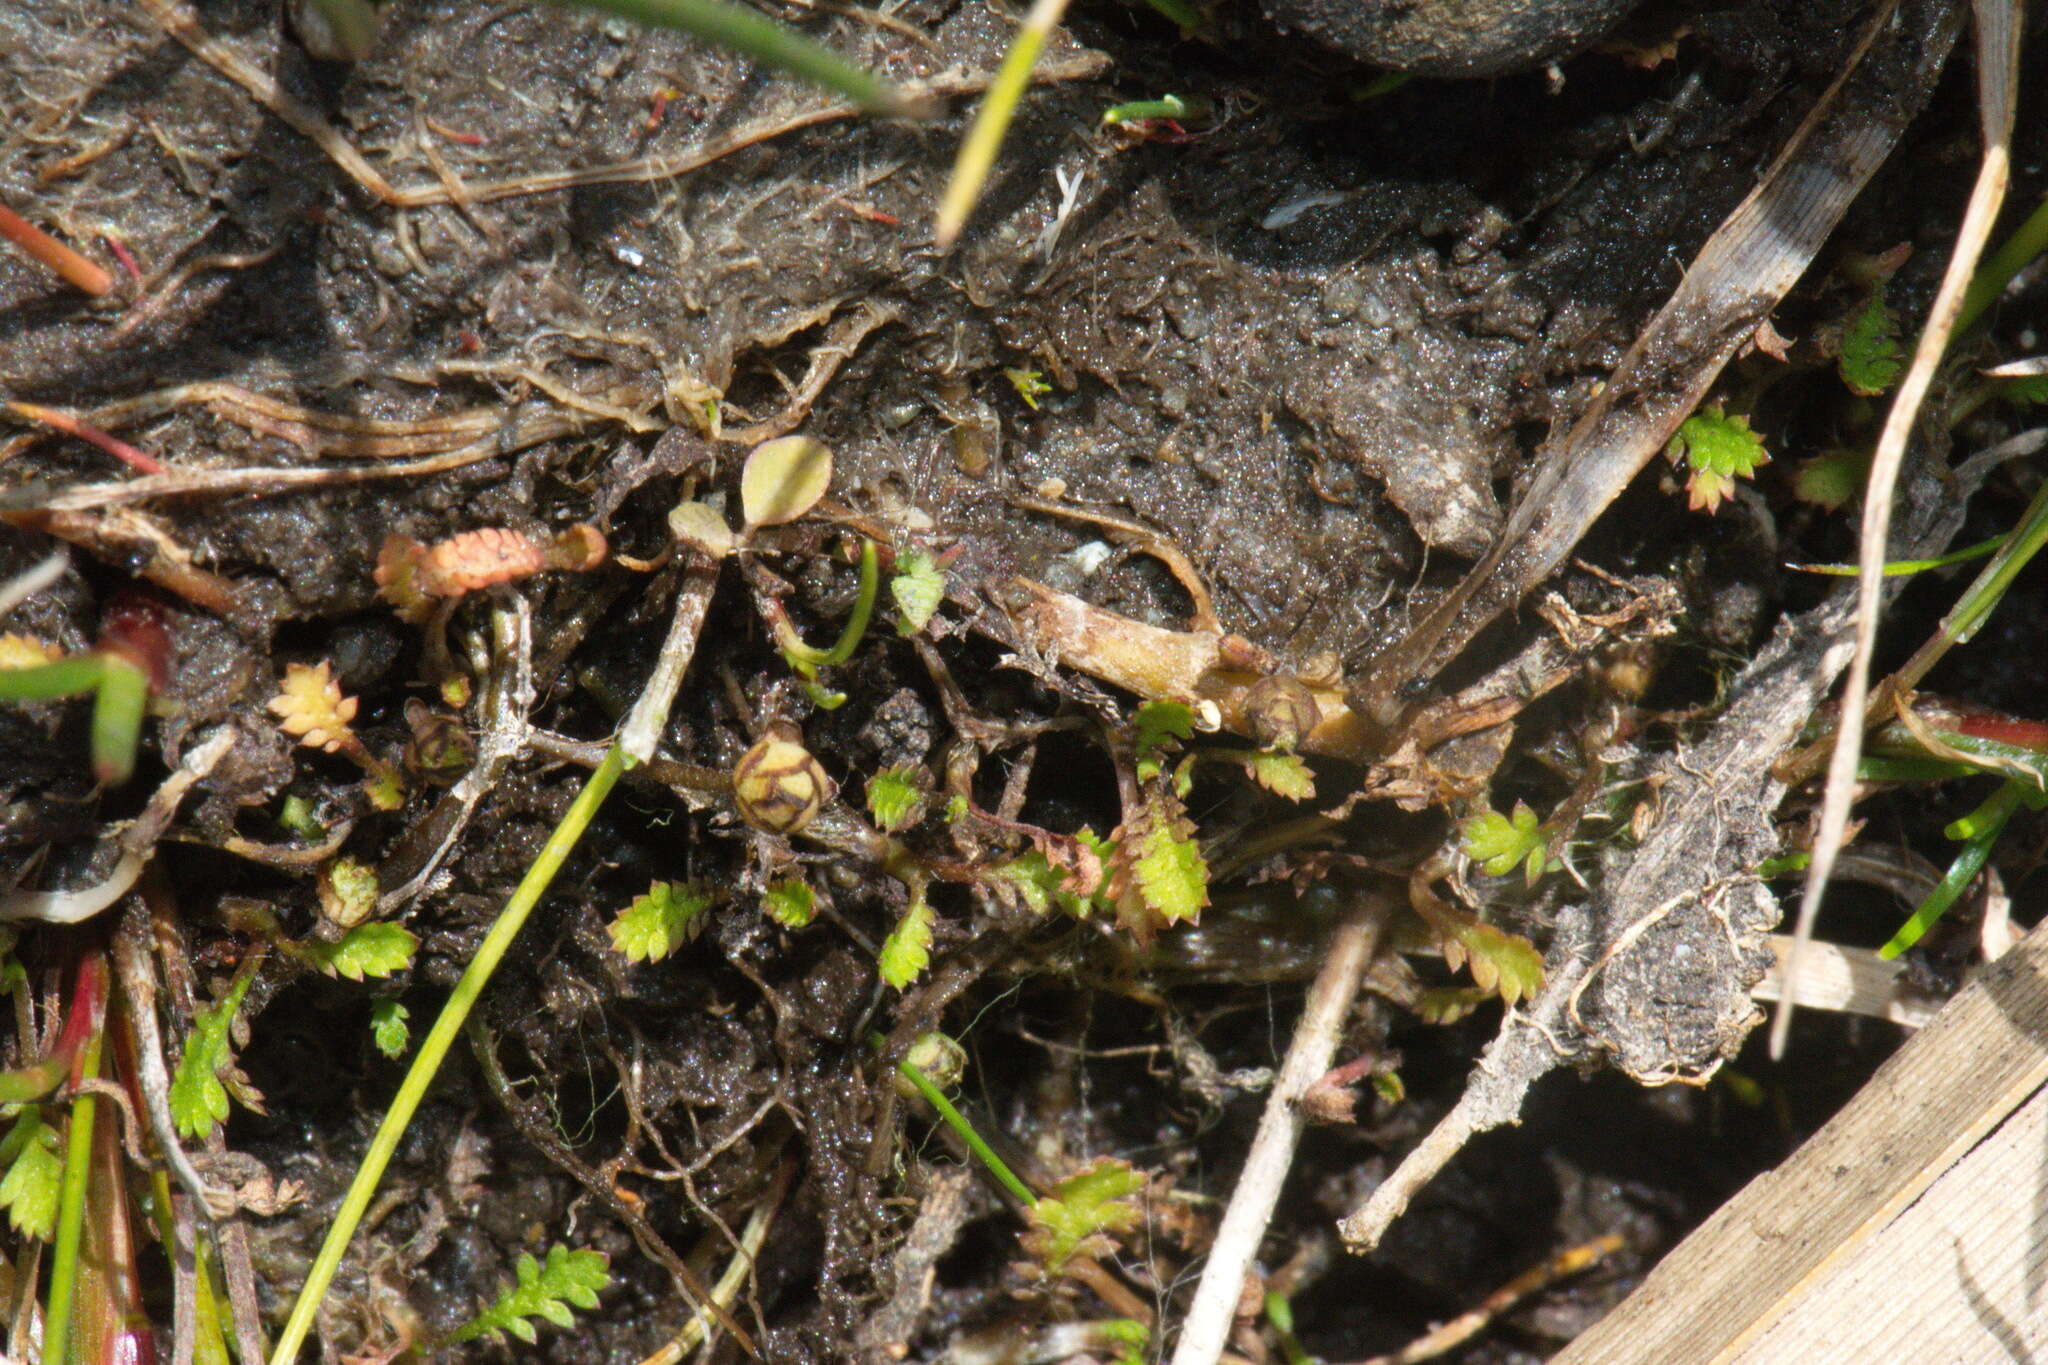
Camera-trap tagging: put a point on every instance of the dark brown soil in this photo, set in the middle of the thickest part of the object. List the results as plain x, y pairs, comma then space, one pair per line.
1312, 345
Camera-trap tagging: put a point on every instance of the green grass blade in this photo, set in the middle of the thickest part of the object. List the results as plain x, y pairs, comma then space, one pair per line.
992, 120
70, 677
1900, 568
976, 1144
434, 1047
1987, 822
767, 42
117, 715
71, 1211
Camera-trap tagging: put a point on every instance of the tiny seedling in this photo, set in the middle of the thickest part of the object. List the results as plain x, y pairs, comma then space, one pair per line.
312, 708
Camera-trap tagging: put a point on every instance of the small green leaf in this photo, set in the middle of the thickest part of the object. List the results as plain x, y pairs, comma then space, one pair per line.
1498, 842
1159, 722
790, 904
783, 479
569, 1280
376, 949
908, 949
1283, 774
35, 1174
1082, 1212
295, 816
918, 587
658, 922
199, 1102
699, 525
1721, 449
1872, 358
388, 1029
895, 799
1831, 478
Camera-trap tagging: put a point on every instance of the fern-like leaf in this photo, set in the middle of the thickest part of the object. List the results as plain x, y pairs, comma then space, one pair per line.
553, 1291
1082, 1214
199, 1101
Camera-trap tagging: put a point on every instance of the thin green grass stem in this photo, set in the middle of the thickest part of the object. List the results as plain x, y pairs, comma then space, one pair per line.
71, 1212
992, 120
767, 42
434, 1047
2014, 254
955, 1120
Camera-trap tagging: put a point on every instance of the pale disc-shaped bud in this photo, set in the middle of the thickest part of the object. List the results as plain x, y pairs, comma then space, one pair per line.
779, 787
784, 479
698, 525
942, 1060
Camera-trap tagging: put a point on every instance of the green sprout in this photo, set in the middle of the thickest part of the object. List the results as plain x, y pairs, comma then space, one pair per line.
806, 660
1179, 108
119, 674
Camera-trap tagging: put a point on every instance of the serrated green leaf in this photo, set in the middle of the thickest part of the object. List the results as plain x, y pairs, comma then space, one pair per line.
1283, 774
1505, 964
1721, 448
377, 949
569, 1280
1872, 359
908, 949
199, 1101
1167, 866
1082, 1212
790, 904
35, 1175
895, 799
1498, 842
659, 921
388, 1029
918, 587
1157, 726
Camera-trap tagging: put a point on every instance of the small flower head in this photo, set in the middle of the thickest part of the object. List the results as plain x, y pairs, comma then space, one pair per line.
311, 707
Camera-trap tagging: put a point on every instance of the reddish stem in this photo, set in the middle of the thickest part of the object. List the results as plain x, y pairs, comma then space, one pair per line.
85, 431
76, 269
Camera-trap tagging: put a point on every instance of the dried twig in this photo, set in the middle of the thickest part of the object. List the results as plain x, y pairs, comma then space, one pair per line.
504, 738
178, 21
1207, 1326
841, 341
1471, 1323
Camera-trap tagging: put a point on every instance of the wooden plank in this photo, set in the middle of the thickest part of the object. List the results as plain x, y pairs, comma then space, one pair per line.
1784, 1244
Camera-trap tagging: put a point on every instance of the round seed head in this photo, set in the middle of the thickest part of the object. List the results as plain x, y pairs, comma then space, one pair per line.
779, 787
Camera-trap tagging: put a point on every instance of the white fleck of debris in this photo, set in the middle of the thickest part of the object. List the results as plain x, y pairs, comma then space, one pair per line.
1086, 559
1294, 208
629, 256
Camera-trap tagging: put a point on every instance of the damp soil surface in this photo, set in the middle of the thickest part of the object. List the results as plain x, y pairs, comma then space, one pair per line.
1286, 363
